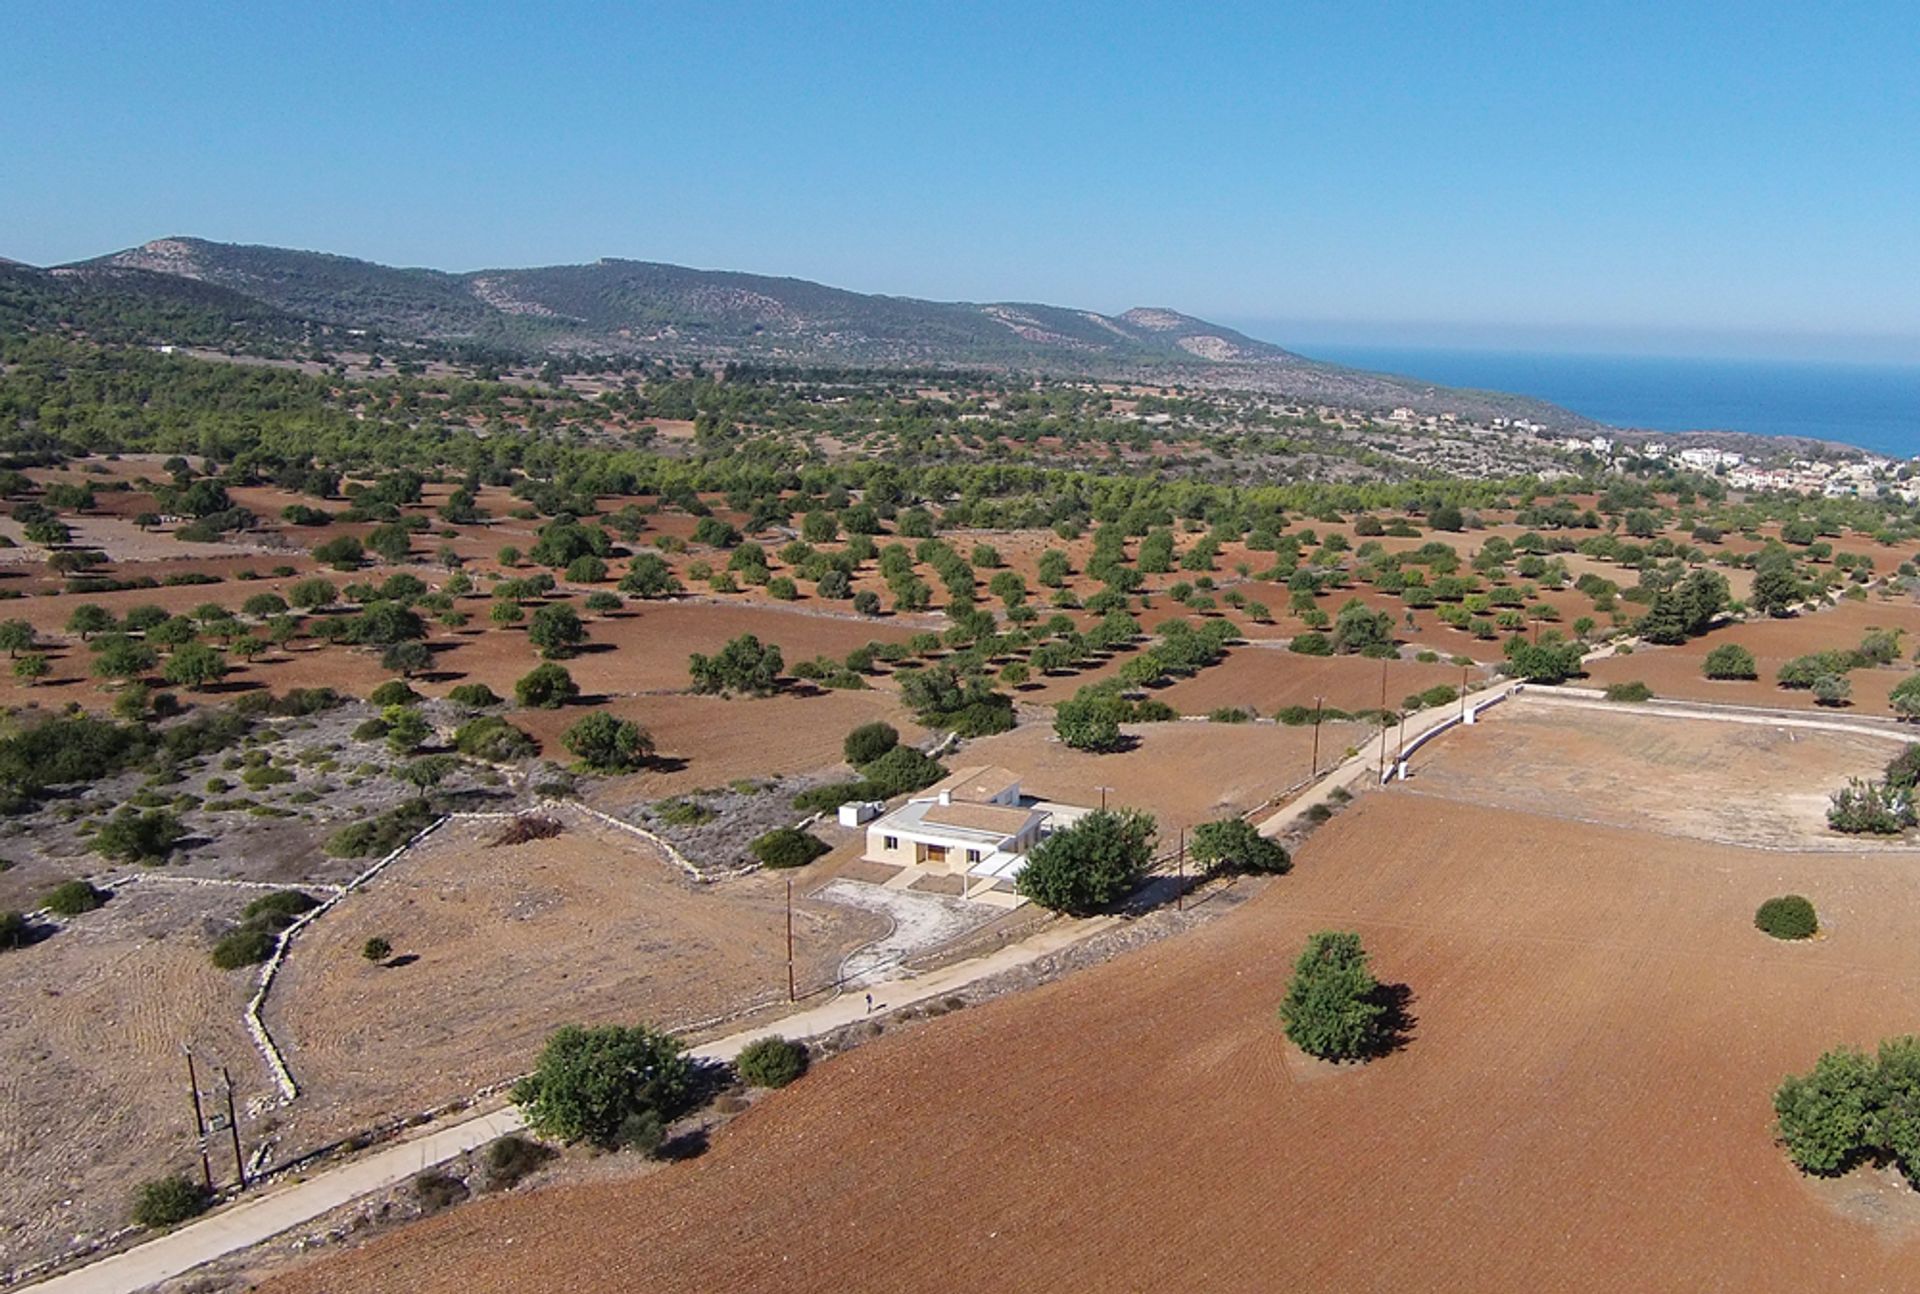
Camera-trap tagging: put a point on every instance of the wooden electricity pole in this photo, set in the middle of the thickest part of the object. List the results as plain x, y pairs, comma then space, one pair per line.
1180, 885
199, 1121
791, 995
1318, 703
233, 1128
1384, 720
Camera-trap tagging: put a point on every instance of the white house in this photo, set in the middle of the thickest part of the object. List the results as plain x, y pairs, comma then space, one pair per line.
974, 822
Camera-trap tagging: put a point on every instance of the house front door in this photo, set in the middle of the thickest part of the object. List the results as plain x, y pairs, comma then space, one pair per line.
936, 855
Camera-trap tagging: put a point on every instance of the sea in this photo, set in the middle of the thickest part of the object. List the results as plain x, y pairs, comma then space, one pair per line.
1873, 406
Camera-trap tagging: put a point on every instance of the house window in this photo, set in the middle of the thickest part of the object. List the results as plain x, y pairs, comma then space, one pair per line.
890, 842
973, 855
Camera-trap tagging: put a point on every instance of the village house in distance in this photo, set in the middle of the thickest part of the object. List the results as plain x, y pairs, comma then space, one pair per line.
975, 824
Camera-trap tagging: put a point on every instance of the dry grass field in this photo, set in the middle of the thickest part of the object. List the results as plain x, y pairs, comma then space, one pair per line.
1583, 1105
497, 946
93, 1084
1736, 783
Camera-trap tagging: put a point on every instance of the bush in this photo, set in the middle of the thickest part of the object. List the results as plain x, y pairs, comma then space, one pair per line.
1093, 863
1730, 660
71, 898
277, 910
901, 770
392, 692
1787, 917
1634, 691
1332, 1008
243, 947
608, 745
546, 687
1235, 844
512, 1158
590, 1082
869, 742
1863, 807
494, 740
168, 1201
787, 847
135, 837
1311, 643
477, 696
15, 932
381, 835
771, 1062
1903, 770
376, 949
1852, 1107
743, 665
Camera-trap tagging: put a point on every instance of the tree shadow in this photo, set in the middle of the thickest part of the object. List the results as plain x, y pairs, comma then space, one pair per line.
404, 959
1397, 1021
690, 1144
227, 687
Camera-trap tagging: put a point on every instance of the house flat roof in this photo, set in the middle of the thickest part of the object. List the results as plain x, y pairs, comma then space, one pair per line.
978, 784
978, 817
917, 818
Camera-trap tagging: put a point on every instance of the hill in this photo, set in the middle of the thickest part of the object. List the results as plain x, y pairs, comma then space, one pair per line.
617, 307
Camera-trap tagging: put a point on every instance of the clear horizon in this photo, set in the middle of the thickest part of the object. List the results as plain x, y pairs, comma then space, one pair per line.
1713, 180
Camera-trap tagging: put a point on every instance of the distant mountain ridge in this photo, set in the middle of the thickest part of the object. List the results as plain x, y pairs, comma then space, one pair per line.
644, 307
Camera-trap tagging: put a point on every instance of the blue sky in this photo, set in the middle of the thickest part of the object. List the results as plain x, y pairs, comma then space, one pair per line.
1664, 176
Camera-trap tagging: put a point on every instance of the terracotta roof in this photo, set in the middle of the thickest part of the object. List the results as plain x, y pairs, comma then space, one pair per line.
979, 784
978, 817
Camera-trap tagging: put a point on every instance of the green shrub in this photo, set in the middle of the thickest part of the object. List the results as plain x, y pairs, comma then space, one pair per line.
787, 847
1863, 807
590, 1082
546, 687
1332, 1008
243, 947
771, 1062
168, 1201
134, 837
1634, 691
823, 799
512, 1158
1787, 917
869, 742
277, 910
901, 770
1730, 660
1090, 865
608, 745
494, 740
381, 835
376, 949
684, 813
392, 692
71, 898
476, 696
1235, 844
1852, 1108
1311, 643
15, 932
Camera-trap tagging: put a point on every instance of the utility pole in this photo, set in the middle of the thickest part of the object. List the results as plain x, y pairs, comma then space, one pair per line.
199, 1120
1385, 719
1463, 692
1180, 886
791, 996
1400, 752
233, 1128
1103, 796
1318, 703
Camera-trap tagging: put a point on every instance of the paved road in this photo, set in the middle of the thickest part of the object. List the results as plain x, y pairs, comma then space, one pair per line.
259, 1218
